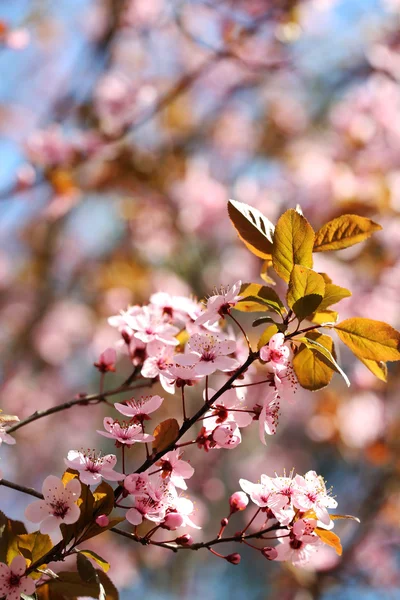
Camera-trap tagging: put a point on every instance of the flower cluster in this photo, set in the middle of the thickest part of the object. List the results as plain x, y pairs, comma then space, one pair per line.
298, 505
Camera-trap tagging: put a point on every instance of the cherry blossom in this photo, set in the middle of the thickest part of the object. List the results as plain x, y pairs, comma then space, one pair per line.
138, 410
136, 484
220, 304
183, 375
159, 358
276, 353
267, 414
238, 501
106, 361
209, 354
229, 407
59, 505
149, 324
300, 544
310, 494
6, 437
93, 468
175, 469
124, 433
13, 581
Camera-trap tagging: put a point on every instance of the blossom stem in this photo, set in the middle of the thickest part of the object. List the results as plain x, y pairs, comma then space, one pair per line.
156, 471
292, 335
251, 520
123, 458
185, 444
241, 329
183, 404
240, 385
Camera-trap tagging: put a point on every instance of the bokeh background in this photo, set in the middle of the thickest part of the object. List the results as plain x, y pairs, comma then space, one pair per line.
125, 125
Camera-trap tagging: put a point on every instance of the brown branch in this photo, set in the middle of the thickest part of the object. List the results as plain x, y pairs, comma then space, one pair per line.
83, 401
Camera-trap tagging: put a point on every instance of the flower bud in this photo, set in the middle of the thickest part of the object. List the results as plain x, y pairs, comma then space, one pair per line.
184, 540
172, 521
234, 559
238, 501
269, 552
224, 522
102, 520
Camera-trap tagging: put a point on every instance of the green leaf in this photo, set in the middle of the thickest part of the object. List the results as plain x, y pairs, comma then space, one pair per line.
306, 291
343, 232
373, 340
313, 371
255, 230
293, 244
165, 433
98, 559
257, 298
333, 294
267, 335
326, 356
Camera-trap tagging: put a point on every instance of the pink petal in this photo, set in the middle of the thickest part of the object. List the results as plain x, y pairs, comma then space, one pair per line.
52, 488
112, 475
134, 516
224, 363
72, 515
27, 586
18, 565
37, 511
154, 403
74, 487
50, 524
89, 478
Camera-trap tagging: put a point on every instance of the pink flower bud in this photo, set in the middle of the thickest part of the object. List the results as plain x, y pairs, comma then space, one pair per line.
107, 361
234, 559
102, 520
184, 540
269, 552
224, 522
172, 521
238, 501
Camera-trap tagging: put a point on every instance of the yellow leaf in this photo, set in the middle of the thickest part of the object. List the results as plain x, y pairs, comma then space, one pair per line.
98, 559
165, 433
259, 298
373, 340
267, 264
378, 368
312, 343
330, 539
348, 517
333, 294
312, 371
267, 335
305, 292
293, 244
322, 317
255, 230
343, 232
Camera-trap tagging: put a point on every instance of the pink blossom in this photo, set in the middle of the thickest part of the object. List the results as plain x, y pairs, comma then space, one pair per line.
6, 437
229, 407
145, 507
149, 325
220, 304
264, 495
276, 353
136, 484
175, 307
300, 544
238, 501
93, 468
124, 433
183, 507
183, 375
175, 469
227, 435
268, 415
138, 410
310, 494
106, 361
59, 504
102, 520
13, 581
159, 358
209, 354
